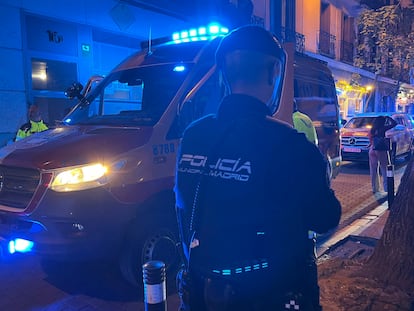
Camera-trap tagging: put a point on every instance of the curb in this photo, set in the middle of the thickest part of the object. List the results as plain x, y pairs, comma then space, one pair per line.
366, 223
366, 226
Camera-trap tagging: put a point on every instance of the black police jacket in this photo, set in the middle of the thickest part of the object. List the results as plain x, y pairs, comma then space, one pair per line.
248, 189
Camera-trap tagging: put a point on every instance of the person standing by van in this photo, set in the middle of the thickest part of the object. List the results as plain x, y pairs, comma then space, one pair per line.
303, 124
35, 124
248, 189
378, 151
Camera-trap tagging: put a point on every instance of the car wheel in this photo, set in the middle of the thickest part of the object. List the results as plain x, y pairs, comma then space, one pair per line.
147, 243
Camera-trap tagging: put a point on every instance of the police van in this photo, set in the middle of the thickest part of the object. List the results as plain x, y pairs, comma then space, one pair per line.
315, 95
99, 186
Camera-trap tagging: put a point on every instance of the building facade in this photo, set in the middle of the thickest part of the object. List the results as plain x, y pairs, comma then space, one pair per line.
326, 29
45, 47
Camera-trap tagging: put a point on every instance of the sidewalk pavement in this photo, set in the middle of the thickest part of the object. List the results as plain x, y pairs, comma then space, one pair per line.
370, 221
370, 225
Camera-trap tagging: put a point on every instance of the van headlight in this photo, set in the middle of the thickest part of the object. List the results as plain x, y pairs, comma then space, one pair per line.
79, 178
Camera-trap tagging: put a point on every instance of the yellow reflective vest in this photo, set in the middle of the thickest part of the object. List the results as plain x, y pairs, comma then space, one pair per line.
303, 124
30, 128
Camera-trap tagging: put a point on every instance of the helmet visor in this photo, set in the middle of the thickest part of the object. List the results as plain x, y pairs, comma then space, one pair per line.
274, 101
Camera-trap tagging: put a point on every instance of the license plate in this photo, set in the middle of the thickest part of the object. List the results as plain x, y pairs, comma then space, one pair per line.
351, 149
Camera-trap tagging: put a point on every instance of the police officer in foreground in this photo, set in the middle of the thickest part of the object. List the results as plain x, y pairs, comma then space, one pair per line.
248, 189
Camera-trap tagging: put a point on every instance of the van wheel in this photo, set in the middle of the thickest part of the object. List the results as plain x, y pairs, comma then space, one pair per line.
143, 244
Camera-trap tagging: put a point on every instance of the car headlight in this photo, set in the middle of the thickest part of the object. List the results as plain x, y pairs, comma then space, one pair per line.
79, 178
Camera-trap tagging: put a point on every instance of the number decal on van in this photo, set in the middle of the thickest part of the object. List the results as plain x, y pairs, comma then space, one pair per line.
163, 149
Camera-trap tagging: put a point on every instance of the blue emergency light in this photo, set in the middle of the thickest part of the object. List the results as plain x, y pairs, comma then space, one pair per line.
203, 33
179, 68
20, 246
200, 34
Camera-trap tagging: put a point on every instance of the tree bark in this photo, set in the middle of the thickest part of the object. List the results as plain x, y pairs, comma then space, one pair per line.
393, 258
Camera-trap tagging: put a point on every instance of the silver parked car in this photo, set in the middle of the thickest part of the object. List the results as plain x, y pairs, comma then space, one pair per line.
355, 140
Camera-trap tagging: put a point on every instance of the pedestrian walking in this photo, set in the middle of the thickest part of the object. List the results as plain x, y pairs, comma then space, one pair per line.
248, 189
379, 151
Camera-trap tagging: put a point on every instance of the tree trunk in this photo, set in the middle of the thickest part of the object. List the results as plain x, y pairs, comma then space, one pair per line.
393, 258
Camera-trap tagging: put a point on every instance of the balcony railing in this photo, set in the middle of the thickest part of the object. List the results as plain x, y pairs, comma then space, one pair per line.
257, 20
326, 45
347, 52
288, 35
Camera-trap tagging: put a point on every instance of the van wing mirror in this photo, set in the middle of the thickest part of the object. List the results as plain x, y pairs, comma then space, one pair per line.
74, 90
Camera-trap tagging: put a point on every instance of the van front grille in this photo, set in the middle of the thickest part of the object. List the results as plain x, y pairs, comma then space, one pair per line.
17, 186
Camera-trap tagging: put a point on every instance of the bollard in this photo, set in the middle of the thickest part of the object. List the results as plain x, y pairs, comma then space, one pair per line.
154, 286
390, 184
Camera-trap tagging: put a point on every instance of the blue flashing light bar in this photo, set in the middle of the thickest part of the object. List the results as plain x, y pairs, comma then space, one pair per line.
20, 246
200, 34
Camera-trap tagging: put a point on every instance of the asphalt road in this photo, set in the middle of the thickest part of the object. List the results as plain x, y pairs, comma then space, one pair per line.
25, 286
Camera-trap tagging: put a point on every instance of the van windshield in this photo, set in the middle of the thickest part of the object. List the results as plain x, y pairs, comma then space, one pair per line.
131, 97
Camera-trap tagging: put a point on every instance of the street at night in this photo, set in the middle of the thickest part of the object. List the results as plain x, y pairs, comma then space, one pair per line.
132, 130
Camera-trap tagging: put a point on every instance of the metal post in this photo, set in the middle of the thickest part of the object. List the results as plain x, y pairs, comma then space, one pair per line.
154, 286
390, 184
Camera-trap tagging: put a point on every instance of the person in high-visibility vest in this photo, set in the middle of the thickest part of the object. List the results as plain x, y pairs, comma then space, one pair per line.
303, 124
35, 124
